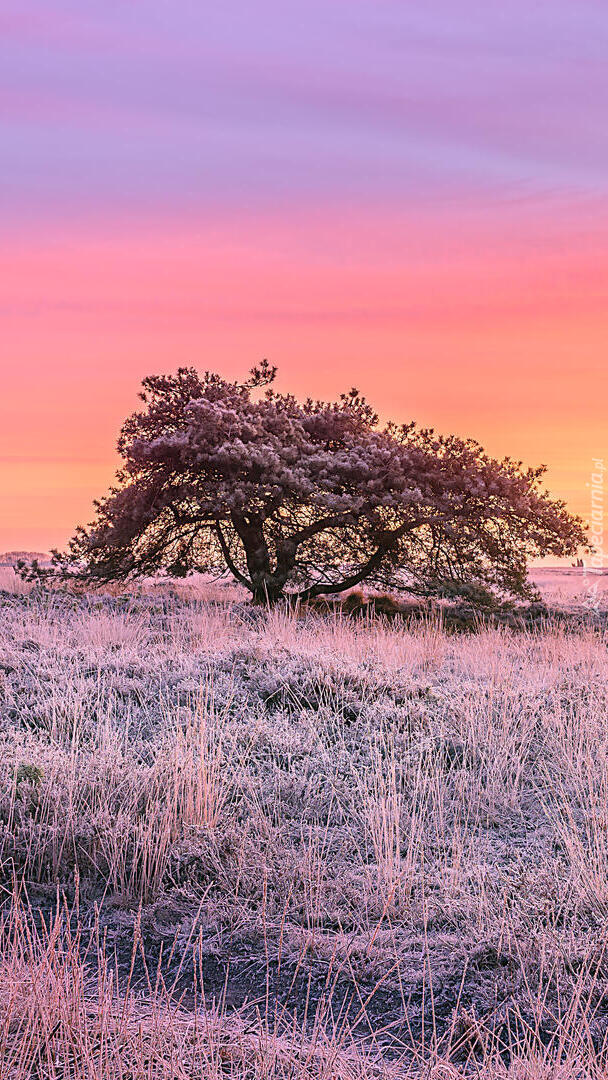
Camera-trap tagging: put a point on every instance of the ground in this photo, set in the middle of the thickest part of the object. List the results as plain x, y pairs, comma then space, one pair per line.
299, 844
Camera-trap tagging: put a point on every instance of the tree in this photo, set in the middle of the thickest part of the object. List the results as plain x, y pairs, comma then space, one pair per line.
312, 498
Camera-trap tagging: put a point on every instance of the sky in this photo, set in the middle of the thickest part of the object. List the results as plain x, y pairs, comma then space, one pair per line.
408, 198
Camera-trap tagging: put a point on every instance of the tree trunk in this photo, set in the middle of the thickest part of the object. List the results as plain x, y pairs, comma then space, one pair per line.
266, 592
266, 586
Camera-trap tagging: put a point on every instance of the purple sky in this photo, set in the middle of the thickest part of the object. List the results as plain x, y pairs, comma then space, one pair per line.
154, 106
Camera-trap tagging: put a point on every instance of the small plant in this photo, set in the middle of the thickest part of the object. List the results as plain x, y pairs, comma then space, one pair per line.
30, 774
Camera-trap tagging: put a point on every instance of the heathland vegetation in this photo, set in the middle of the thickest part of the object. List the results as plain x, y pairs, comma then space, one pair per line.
290, 843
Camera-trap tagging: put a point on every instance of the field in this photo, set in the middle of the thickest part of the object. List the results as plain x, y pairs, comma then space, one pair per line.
287, 844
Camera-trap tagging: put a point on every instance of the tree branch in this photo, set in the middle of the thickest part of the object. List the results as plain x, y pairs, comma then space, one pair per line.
372, 563
230, 563
329, 522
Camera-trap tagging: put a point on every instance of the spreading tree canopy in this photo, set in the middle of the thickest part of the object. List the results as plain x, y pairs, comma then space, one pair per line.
310, 498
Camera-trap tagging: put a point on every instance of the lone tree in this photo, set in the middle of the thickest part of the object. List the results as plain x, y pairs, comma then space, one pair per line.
304, 499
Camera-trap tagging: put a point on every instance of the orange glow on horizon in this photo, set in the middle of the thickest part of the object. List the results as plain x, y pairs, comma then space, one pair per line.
468, 328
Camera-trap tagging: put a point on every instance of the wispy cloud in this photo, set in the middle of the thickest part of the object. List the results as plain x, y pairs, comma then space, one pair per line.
162, 102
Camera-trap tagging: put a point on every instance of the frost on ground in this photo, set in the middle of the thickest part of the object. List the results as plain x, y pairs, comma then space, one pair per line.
298, 845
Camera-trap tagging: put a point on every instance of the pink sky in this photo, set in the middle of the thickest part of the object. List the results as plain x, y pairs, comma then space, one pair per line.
408, 200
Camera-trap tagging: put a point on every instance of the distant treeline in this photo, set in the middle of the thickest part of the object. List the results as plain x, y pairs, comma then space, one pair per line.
10, 558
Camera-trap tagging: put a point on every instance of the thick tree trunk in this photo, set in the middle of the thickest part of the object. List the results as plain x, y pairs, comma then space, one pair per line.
266, 585
265, 592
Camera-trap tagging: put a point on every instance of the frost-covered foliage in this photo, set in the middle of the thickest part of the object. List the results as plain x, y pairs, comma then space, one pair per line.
341, 811
313, 498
